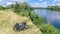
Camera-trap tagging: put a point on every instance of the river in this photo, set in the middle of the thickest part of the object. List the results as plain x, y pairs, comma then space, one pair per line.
52, 17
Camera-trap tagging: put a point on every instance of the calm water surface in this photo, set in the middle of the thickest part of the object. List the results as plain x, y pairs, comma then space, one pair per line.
52, 17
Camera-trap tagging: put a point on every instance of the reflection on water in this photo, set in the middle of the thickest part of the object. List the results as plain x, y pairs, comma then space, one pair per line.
51, 16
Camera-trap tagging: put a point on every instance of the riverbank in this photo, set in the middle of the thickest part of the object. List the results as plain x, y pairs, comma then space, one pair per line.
45, 28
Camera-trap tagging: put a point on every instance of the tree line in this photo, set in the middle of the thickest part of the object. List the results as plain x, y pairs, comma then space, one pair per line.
55, 8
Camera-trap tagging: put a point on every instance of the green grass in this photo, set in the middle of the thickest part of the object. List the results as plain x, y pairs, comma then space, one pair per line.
45, 28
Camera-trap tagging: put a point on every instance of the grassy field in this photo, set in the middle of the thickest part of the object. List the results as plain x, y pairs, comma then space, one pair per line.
8, 19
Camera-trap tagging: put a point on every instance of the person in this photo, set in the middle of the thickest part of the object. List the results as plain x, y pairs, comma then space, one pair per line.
24, 23
22, 26
17, 27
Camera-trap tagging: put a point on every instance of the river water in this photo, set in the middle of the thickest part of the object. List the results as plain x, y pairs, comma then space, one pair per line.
52, 17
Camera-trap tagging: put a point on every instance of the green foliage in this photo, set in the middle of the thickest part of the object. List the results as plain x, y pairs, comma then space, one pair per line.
22, 9
48, 29
45, 28
56, 8
1, 7
36, 19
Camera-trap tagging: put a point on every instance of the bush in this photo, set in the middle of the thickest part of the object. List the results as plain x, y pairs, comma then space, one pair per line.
45, 28
48, 29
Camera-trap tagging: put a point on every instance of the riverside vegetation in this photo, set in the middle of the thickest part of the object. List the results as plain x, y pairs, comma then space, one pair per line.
25, 10
54, 8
